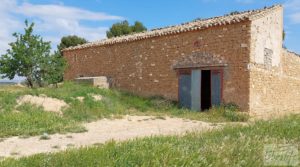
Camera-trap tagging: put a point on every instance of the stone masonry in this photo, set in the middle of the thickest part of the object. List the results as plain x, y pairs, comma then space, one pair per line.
257, 69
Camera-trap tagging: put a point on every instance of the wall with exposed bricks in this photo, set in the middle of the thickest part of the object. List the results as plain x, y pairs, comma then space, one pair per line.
144, 67
260, 76
274, 72
276, 92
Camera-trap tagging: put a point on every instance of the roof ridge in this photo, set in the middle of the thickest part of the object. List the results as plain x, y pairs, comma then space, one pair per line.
289, 51
184, 27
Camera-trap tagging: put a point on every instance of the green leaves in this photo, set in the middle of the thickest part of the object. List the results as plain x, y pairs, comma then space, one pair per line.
29, 56
69, 41
138, 27
123, 28
53, 69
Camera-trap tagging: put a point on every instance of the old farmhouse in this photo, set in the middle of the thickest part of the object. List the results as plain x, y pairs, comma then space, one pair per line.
237, 58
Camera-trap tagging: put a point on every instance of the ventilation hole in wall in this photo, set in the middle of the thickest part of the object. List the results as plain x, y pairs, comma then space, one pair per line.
268, 54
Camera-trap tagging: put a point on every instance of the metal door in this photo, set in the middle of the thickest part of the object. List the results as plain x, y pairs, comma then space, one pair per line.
196, 90
185, 90
216, 87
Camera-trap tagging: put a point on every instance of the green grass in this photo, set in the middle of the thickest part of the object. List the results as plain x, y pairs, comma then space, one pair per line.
231, 146
31, 120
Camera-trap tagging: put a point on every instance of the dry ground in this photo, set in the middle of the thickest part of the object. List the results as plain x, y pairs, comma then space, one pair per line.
100, 132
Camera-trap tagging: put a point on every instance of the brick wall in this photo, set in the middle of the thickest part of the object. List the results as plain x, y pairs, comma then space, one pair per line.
261, 77
274, 72
144, 67
276, 92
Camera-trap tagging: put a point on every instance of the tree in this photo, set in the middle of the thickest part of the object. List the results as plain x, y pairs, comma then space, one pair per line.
123, 28
234, 12
119, 29
30, 57
138, 27
283, 39
54, 69
26, 57
71, 40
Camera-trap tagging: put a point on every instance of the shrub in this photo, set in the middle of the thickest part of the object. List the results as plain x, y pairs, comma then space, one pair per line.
231, 112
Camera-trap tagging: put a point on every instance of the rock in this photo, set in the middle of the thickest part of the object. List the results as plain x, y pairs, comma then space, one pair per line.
48, 104
97, 97
80, 98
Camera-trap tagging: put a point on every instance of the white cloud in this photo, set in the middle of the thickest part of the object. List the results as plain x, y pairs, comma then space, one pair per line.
293, 5
8, 23
52, 21
292, 8
61, 11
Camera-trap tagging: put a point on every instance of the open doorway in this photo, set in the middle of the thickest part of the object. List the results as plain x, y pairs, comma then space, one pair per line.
205, 90
199, 90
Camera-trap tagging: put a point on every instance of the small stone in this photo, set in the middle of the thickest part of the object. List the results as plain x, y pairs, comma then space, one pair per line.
45, 136
243, 45
80, 98
97, 97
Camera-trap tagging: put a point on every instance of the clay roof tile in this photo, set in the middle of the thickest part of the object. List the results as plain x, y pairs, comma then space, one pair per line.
184, 27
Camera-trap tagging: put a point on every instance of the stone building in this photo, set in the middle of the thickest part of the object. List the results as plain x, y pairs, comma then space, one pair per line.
236, 58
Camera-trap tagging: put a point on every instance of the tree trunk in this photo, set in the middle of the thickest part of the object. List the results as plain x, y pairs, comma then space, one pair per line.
40, 83
29, 82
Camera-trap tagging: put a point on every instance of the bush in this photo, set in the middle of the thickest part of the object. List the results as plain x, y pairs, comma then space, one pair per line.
231, 112
161, 103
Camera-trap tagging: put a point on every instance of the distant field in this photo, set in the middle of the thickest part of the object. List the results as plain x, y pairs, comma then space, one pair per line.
7, 83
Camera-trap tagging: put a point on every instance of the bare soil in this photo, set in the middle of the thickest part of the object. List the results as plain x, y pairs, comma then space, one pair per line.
48, 104
102, 131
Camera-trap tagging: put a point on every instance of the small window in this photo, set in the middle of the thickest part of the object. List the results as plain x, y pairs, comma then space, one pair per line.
268, 54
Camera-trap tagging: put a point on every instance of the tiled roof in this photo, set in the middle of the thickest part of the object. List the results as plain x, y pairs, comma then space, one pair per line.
297, 54
199, 59
185, 27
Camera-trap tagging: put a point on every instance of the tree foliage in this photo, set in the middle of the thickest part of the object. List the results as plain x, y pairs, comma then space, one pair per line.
234, 12
71, 40
138, 27
53, 72
30, 57
123, 28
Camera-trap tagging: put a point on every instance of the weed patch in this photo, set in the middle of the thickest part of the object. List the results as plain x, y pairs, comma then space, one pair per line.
231, 146
31, 120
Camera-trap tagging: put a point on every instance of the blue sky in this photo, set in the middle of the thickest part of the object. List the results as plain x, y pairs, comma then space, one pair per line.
91, 18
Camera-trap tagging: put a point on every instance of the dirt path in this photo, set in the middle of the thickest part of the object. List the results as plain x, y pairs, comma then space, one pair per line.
100, 132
